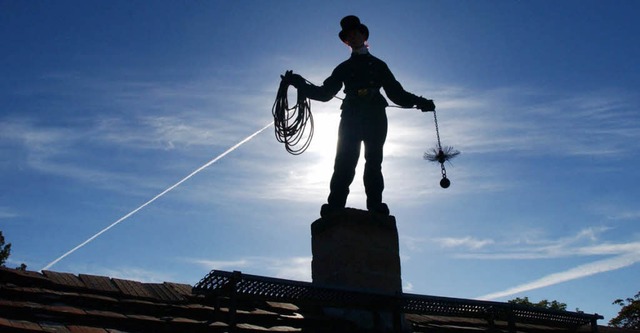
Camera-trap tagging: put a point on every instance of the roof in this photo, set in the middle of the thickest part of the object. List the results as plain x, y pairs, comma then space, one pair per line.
63, 302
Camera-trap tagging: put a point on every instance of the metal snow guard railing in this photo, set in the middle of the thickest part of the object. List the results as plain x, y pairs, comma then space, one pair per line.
221, 283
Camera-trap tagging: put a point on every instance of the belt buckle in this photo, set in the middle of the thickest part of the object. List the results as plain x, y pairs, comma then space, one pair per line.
363, 92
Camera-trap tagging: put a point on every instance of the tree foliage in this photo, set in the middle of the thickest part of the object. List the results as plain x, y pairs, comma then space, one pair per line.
5, 250
629, 315
544, 304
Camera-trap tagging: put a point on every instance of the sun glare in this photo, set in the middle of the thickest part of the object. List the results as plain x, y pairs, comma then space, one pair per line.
323, 148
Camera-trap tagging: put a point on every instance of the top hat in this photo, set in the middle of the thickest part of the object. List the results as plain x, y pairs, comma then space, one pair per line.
352, 22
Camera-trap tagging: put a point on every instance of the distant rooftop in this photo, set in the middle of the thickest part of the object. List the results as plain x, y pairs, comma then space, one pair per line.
229, 302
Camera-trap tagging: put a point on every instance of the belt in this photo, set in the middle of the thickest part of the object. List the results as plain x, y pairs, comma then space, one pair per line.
364, 92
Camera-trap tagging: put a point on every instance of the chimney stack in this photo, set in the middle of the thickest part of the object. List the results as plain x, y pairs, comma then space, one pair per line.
356, 249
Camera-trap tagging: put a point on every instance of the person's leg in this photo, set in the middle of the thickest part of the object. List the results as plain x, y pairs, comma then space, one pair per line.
347, 154
375, 134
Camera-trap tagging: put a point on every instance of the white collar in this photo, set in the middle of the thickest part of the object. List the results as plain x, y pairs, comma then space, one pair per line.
363, 50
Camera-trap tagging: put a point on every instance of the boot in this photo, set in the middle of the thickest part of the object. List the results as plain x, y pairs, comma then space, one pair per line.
327, 210
380, 208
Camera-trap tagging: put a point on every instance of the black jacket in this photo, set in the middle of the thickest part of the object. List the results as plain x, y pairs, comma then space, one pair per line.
362, 75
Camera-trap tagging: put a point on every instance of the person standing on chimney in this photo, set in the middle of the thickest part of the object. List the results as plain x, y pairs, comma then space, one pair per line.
363, 118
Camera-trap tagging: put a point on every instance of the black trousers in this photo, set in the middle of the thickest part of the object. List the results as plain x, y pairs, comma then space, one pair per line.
357, 126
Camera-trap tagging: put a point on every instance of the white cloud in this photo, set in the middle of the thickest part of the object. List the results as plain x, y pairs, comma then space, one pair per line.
412, 243
465, 242
7, 213
625, 215
293, 268
144, 117
473, 121
296, 268
129, 273
609, 249
220, 264
585, 243
538, 122
407, 287
546, 249
577, 272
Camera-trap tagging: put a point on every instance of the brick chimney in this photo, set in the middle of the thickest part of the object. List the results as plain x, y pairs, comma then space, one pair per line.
356, 249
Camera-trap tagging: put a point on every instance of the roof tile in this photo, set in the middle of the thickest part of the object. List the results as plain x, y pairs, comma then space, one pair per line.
106, 314
84, 329
133, 288
101, 283
180, 288
66, 310
52, 327
185, 320
22, 277
65, 279
218, 324
21, 324
165, 292
145, 318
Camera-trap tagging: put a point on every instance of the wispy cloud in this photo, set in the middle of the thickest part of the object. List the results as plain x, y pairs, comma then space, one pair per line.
220, 264
465, 242
157, 196
164, 131
412, 243
625, 215
577, 272
128, 273
296, 268
137, 120
407, 287
477, 122
538, 122
7, 213
293, 268
585, 243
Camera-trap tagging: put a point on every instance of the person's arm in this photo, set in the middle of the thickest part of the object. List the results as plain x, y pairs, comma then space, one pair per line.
323, 93
401, 97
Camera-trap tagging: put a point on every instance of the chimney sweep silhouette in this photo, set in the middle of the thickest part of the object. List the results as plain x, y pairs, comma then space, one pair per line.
363, 117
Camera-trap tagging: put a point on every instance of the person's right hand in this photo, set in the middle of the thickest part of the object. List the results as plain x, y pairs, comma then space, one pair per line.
293, 79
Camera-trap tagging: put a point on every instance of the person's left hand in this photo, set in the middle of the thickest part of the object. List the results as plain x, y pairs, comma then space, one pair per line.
425, 105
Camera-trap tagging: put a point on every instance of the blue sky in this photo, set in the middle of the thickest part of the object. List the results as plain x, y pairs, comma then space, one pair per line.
104, 105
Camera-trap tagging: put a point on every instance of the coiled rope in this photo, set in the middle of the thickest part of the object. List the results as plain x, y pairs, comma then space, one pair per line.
291, 123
